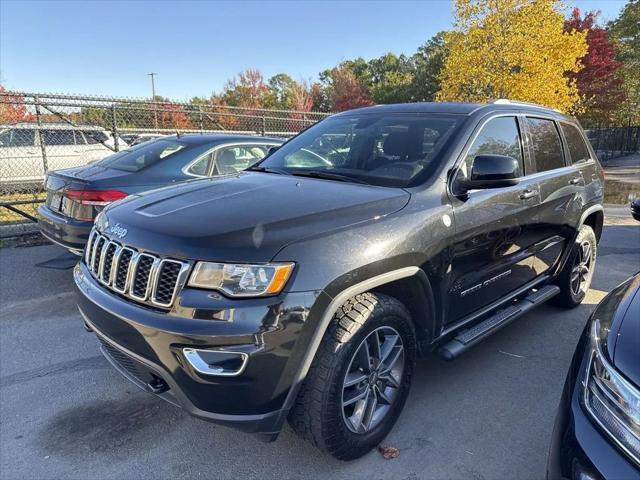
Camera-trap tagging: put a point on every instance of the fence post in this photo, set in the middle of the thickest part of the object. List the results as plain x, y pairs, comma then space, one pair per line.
43, 147
114, 127
201, 124
264, 125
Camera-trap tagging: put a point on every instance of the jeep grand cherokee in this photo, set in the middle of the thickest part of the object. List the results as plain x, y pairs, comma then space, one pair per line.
304, 288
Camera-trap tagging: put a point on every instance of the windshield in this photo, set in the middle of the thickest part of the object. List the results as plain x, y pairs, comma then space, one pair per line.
379, 149
141, 156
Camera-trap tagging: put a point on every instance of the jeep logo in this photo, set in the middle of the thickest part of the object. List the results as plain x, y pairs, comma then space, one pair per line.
117, 230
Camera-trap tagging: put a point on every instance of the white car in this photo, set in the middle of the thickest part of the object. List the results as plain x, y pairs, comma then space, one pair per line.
21, 156
145, 137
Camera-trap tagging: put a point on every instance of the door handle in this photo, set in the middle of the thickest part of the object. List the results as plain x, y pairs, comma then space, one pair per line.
575, 181
528, 194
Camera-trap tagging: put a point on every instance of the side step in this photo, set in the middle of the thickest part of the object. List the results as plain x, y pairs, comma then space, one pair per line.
467, 338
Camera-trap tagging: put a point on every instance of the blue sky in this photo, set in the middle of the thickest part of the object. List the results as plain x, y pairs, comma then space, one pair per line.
97, 47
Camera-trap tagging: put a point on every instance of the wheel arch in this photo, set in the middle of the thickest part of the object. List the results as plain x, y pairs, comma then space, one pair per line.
413, 278
594, 217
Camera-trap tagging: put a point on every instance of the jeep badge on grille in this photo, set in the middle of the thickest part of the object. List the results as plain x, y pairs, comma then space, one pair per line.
117, 230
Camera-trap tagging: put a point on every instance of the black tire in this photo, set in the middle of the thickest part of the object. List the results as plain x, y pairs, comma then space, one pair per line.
570, 296
318, 414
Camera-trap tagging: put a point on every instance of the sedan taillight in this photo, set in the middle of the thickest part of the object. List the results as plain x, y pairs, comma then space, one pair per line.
98, 198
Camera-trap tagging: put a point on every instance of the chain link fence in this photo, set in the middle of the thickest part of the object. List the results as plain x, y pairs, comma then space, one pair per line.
43, 132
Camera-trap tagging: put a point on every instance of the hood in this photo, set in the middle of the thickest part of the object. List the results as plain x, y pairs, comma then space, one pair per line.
247, 217
626, 352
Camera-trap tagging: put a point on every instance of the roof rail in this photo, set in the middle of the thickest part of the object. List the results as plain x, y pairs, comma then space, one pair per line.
506, 101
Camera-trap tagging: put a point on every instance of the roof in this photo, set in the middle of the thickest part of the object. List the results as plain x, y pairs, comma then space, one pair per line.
198, 139
52, 126
455, 108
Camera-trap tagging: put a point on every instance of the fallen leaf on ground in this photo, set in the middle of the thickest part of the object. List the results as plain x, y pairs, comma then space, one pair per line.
389, 452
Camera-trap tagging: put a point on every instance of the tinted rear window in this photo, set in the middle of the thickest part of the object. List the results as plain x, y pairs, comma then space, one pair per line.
575, 141
144, 155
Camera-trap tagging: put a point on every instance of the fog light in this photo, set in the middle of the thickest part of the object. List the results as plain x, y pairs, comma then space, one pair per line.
220, 363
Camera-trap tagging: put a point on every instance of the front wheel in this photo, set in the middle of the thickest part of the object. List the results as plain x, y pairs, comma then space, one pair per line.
575, 279
358, 383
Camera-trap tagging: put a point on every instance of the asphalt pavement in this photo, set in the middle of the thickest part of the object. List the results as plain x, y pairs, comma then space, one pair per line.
65, 413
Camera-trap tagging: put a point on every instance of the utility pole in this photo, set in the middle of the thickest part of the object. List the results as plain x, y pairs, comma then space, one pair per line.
153, 96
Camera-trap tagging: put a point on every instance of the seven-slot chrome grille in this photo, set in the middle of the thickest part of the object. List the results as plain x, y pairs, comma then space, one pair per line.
141, 276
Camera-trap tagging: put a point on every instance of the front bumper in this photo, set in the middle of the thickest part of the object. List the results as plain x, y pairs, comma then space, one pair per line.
579, 450
67, 232
147, 346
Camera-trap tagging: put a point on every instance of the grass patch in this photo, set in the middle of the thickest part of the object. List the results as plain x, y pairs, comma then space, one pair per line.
7, 216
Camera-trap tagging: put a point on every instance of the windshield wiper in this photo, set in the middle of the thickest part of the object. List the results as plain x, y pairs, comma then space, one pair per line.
259, 168
328, 176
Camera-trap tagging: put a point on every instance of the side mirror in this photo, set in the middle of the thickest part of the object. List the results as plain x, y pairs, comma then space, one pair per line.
493, 171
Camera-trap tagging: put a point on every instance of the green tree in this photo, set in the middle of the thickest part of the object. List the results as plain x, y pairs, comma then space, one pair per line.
281, 91
428, 61
625, 32
391, 78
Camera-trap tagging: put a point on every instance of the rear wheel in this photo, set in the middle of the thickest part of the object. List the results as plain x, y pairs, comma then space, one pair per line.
575, 279
358, 382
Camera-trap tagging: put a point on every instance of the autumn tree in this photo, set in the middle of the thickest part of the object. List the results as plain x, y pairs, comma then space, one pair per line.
625, 33
173, 116
598, 83
301, 101
247, 90
343, 90
13, 109
516, 49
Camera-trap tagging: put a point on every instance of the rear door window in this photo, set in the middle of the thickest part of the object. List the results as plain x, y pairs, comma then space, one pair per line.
499, 136
578, 149
546, 146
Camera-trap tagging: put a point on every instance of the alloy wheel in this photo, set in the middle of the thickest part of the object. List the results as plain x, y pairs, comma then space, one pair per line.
582, 268
373, 379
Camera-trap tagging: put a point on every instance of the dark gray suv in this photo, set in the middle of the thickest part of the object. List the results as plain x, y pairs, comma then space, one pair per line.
304, 288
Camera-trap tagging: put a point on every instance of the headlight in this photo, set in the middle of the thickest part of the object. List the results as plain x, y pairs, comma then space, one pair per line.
612, 401
100, 221
241, 280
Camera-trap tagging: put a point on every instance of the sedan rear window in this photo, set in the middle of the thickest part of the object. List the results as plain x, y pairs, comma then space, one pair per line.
143, 155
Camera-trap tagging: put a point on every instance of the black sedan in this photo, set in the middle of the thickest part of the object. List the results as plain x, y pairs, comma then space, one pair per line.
76, 195
597, 431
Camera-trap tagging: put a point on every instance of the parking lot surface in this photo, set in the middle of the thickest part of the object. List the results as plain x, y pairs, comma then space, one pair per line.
65, 413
